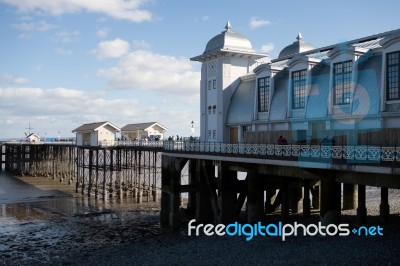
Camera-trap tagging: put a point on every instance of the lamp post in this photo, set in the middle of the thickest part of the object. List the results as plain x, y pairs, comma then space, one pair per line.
59, 136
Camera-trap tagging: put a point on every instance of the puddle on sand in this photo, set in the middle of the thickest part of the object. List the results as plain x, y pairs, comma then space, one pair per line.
58, 230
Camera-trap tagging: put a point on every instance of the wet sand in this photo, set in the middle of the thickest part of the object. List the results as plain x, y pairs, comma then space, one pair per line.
51, 224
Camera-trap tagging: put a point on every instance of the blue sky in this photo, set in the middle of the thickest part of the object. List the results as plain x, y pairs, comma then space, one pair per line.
69, 62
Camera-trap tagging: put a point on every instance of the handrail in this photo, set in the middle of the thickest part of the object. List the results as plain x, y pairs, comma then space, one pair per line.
355, 153
351, 153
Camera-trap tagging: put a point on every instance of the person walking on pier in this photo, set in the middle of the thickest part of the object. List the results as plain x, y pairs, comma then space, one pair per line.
282, 140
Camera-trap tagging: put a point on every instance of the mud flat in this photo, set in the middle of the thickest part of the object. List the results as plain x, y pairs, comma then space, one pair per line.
68, 229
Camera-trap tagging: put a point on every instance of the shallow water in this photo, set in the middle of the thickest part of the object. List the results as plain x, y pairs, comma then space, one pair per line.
47, 226
42, 225
47, 231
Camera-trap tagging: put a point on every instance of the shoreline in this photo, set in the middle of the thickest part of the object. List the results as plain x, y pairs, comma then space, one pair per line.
77, 230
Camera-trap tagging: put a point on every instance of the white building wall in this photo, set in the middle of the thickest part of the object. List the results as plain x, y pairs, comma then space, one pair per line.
152, 131
203, 103
79, 139
104, 135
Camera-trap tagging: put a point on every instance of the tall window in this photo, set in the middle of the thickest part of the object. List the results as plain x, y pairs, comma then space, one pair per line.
342, 82
263, 94
299, 79
392, 76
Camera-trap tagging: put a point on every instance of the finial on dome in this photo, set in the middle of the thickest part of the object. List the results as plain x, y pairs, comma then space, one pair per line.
228, 26
299, 36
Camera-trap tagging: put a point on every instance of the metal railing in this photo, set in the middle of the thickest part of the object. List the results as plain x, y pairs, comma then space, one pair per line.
139, 143
361, 153
354, 153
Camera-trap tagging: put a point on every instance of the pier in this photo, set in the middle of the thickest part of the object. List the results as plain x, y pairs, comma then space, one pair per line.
123, 170
294, 177
222, 179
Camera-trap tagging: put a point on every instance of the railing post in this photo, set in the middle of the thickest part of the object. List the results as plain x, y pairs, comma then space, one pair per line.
320, 151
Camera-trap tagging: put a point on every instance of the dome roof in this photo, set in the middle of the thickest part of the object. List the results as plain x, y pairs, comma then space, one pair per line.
228, 40
296, 47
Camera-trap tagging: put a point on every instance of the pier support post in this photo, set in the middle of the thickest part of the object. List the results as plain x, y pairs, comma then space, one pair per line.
204, 210
361, 209
165, 197
285, 200
270, 196
89, 187
295, 196
330, 200
384, 207
191, 205
227, 195
306, 198
170, 196
255, 197
350, 195
175, 196
315, 196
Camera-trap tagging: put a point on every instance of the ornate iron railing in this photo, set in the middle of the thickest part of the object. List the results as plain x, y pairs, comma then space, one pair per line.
356, 153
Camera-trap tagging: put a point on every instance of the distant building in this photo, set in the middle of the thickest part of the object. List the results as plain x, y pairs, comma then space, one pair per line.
33, 138
349, 91
96, 134
151, 130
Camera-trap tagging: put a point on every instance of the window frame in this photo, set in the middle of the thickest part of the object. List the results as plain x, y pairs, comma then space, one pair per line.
342, 82
263, 93
299, 85
388, 82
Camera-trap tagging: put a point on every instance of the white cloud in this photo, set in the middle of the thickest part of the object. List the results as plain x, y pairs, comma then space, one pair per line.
102, 33
11, 79
149, 71
268, 47
31, 26
111, 49
24, 26
257, 23
69, 37
140, 44
63, 109
44, 26
119, 9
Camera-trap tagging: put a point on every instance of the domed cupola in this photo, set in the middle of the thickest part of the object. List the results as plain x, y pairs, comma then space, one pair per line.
228, 43
228, 40
296, 47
